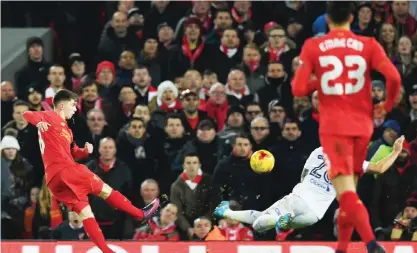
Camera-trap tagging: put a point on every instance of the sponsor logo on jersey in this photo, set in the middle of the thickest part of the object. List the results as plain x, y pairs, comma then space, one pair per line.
319, 184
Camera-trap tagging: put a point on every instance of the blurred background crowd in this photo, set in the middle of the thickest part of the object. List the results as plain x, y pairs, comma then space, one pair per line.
175, 96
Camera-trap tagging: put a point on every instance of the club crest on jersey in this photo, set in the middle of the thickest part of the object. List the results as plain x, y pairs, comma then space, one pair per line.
62, 124
66, 134
300, 62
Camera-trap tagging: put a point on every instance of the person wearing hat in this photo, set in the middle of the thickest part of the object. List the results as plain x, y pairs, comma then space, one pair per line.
165, 34
365, 23
378, 90
20, 169
190, 115
234, 125
166, 101
77, 71
136, 21
192, 51
154, 57
200, 11
35, 98
207, 145
105, 77
36, 69
405, 224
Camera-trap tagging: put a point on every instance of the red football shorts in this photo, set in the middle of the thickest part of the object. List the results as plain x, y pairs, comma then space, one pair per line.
344, 154
72, 185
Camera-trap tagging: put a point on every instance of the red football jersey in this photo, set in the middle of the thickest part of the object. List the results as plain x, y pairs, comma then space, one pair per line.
56, 144
238, 233
342, 62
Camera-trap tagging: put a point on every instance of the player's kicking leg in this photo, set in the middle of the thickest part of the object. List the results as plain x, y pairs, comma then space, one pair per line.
116, 200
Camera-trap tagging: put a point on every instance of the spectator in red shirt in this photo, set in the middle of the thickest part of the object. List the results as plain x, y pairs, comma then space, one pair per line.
160, 228
234, 230
190, 114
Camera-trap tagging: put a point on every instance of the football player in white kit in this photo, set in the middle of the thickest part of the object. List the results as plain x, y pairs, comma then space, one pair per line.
309, 199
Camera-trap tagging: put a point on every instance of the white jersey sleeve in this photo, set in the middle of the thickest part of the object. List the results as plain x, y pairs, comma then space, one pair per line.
365, 166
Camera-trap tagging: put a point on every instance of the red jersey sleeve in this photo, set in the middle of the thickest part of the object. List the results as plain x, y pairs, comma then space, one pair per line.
78, 153
381, 63
33, 117
301, 85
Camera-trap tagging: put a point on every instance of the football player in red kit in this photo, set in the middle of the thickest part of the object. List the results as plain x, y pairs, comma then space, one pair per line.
71, 182
342, 62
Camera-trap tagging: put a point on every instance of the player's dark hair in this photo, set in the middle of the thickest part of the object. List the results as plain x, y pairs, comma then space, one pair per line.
63, 96
20, 103
339, 11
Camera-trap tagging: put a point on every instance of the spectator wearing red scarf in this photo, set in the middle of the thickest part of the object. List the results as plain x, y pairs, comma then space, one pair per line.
200, 11
238, 92
229, 53
118, 113
217, 105
241, 12
192, 51
277, 49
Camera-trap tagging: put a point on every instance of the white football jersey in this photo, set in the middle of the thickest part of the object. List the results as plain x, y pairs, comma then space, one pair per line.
316, 188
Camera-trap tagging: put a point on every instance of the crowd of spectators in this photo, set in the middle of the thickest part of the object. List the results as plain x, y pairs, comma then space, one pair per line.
175, 97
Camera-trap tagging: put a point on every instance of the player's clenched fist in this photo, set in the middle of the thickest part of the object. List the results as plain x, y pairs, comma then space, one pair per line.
89, 147
43, 126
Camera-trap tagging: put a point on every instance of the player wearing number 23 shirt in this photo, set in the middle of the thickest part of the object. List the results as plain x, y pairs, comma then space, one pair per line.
342, 62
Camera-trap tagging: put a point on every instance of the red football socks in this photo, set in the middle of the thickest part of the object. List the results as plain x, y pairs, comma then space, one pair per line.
356, 214
118, 201
345, 230
94, 232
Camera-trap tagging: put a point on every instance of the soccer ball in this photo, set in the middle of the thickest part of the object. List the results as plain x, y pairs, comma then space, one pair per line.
262, 161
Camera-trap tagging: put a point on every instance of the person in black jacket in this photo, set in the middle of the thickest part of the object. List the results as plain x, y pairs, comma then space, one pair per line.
277, 86
190, 115
192, 52
70, 229
36, 71
117, 37
233, 179
117, 175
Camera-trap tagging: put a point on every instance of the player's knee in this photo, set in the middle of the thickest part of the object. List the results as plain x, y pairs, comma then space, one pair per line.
83, 209
105, 191
344, 183
258, 225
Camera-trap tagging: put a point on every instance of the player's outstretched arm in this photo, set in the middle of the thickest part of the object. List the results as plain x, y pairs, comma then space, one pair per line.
33, 117
385, 164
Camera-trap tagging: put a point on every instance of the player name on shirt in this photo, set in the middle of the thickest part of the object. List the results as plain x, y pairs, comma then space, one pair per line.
341, 43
